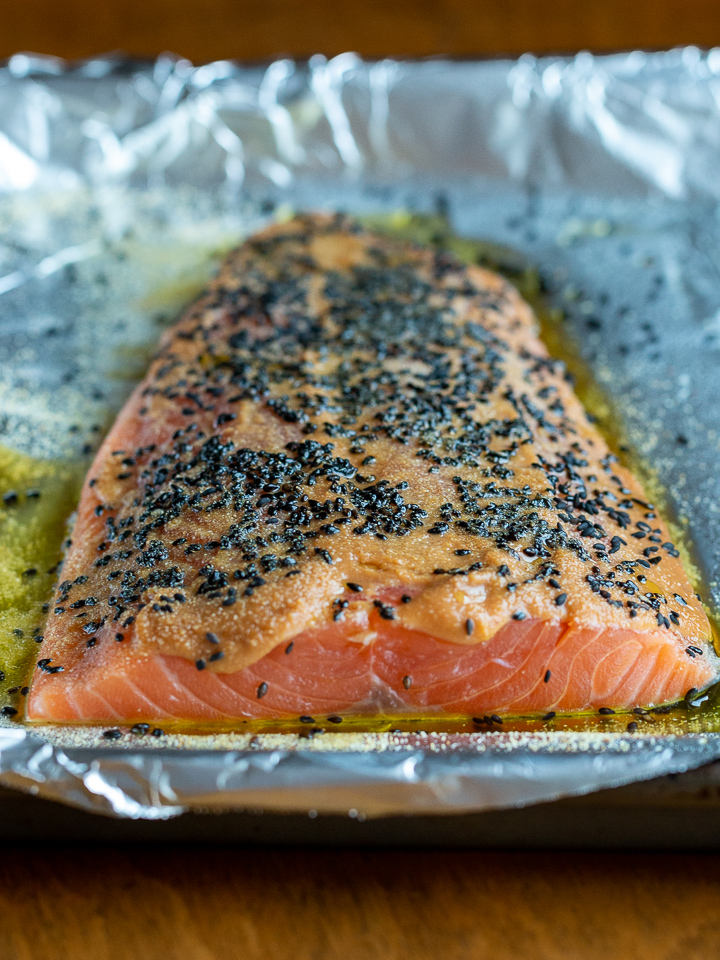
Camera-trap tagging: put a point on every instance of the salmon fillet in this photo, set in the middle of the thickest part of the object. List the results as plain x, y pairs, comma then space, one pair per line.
354, 482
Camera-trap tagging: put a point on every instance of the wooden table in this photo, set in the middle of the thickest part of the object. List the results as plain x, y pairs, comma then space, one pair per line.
258, 29
207, 904
167, 903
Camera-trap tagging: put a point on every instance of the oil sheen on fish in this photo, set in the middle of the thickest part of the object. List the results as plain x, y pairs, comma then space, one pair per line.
354, 482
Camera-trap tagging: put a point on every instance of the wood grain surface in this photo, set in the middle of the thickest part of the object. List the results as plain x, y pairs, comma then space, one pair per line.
162, 904
258, 29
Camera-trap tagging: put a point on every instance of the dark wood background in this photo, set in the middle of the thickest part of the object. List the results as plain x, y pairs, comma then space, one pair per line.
74, 903
257, 29
252, 904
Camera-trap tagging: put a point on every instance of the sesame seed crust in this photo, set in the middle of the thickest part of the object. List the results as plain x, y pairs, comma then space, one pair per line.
347, 426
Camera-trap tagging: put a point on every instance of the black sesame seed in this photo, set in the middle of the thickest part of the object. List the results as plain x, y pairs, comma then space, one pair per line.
200, 664
605, 711
212, 637
469, 626
355, 587
290, 646
335, 719
519, 615
407, 682
560, 599
632, 726
262, 690
112, 734
546, 678
550, 716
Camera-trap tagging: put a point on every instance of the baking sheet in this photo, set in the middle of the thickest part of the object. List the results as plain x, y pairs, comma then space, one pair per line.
669, 813
122, 183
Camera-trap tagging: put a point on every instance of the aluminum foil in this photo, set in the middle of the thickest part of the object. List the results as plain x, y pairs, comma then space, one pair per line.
120, 185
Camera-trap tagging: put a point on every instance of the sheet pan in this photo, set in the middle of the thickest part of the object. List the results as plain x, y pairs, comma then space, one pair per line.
121, 183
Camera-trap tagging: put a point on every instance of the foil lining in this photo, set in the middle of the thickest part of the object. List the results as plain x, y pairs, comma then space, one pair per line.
120, 185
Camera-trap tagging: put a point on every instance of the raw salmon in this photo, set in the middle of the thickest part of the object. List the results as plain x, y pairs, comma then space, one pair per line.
353, 481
